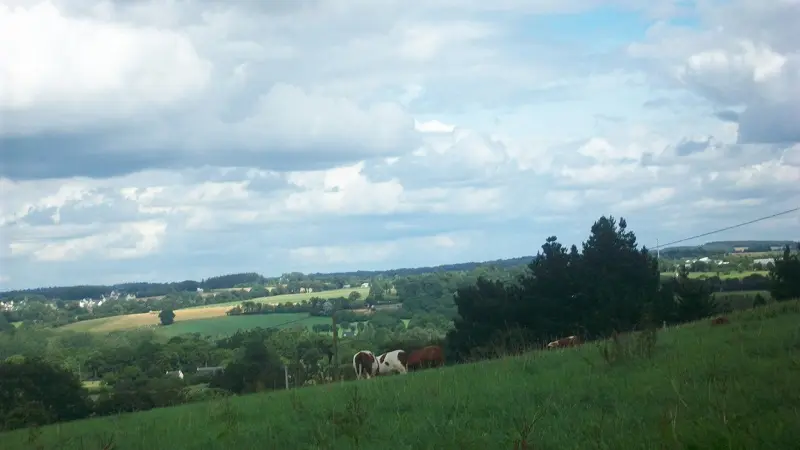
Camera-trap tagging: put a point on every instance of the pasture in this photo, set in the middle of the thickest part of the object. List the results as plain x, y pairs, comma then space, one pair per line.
721, 275
756, 254
228, 325
292, 298
700, 386
217, 311
729, 275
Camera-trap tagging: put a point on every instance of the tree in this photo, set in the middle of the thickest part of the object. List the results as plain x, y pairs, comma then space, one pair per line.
376, 292
258, 368
551, 302
5, 325
617, 279
33, 392
785, 275
483, 310
167, 316
354, 296
694, 297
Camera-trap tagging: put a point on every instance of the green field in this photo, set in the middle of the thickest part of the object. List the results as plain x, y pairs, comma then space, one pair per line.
702, 387
294, 298
729, 275
756, 254
228, 325
206, 312
722, 276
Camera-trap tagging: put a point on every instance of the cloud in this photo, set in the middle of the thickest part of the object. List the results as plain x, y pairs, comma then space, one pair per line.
126, 241
174, 140
745, 56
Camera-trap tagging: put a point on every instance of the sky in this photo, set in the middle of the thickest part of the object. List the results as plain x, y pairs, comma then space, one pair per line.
176, 139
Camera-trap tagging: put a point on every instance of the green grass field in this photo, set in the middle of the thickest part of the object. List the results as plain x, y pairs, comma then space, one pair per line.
756, 254
228, 325
730, 275
293, 298
703, 387
722, 276
216, 311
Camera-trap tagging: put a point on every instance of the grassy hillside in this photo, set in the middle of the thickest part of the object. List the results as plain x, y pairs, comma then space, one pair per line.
702, 387
132, 321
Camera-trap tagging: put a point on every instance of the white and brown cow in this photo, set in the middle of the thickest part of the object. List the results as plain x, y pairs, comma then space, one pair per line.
395, 361
365, 364
569, 341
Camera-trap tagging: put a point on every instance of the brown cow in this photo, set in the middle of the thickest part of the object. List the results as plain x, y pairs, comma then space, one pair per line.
569, 341
721, 320
430, 356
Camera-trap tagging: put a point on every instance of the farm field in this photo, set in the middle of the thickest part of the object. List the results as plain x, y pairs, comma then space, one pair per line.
722, 276
729, 275
133, 321
732, 386
756, 254
291, 298
228, 325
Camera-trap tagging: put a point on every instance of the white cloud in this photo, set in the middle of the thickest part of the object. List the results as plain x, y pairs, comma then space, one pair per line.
178, 140
747, 58
372, 252
77, 71
128, 241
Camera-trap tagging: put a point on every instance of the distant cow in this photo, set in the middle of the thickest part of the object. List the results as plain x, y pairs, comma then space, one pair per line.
721, 320
365, 364
569, 341
430, 356
394, 361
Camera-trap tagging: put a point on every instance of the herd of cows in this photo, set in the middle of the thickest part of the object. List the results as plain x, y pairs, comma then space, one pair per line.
367, 365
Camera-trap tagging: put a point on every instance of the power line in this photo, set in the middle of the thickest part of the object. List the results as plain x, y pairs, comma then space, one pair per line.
729, 228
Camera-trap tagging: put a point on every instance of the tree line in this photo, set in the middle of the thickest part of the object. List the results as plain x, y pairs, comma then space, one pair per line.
286, 283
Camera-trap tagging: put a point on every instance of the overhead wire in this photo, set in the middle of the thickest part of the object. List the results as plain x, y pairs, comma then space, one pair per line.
788, 211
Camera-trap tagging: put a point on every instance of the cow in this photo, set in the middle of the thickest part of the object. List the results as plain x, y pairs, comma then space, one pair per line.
394, 361
569, 341
721, 320
365, 364
430, 356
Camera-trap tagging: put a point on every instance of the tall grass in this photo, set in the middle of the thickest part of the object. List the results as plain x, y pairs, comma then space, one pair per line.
692, 387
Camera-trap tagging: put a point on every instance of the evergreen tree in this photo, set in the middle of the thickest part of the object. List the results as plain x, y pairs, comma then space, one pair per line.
694, 297
618, 279
785, 275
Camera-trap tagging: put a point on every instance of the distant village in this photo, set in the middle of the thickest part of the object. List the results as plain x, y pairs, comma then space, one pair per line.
87, 303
